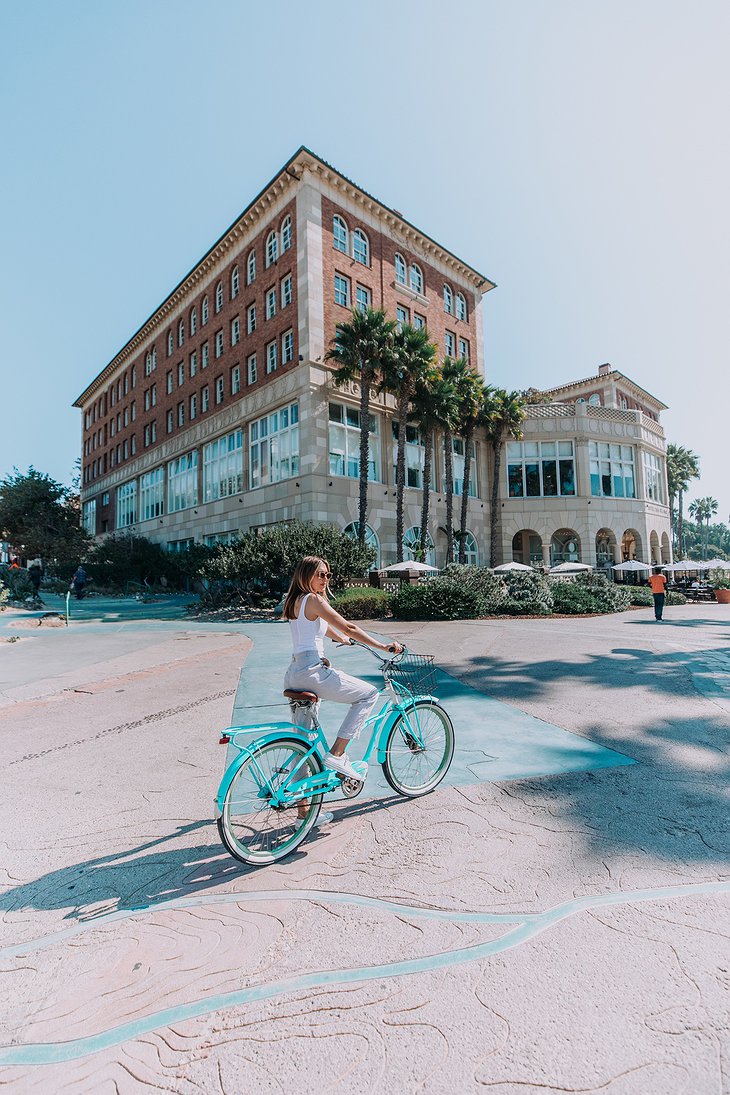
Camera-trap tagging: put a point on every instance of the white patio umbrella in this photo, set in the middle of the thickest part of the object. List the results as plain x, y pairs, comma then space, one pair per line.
512, 566
411, 564
631, 565
686, 564
569, 568
718, 564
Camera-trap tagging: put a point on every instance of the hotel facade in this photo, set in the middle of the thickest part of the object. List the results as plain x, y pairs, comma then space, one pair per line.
220, 415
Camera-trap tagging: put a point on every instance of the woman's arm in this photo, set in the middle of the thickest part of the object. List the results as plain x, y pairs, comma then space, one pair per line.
350, 630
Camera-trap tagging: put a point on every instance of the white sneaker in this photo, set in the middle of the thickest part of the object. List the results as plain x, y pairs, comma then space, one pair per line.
345, 767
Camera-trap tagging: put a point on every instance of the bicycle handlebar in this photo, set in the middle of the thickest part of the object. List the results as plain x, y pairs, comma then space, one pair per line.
394, 658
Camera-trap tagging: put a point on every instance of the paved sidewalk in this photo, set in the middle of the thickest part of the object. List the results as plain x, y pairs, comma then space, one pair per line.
544, 934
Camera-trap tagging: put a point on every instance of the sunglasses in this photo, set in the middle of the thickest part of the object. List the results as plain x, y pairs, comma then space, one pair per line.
323, 574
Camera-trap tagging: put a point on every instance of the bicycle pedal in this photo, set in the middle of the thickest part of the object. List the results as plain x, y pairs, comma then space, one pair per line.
351, 788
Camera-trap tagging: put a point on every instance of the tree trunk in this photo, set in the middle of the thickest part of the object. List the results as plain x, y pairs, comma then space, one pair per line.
680, 523
364, 452
497, 447
400, 474
465, 495
449, 468
427, 459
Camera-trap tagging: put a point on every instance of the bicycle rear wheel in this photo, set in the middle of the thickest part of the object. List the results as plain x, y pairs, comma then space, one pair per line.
411, 768
254, 831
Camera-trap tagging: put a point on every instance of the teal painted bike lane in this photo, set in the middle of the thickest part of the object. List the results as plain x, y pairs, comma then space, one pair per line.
493, 740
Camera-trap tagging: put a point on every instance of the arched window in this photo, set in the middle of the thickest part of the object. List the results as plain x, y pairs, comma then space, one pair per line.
205, 311
371, 539
251, 268
461, 306
339, 234
219, 296
448, 300
170, 343
471, 550
360, 247
412, 546
594, 400
234, 282
416, 278
148, 364
400, 269
285, 234
181, 332
193, 320
271, 248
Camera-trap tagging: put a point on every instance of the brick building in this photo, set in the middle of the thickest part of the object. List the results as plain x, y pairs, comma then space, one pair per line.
219, 415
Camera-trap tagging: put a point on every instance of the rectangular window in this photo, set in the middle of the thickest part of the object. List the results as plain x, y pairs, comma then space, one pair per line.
464, 349
271, 357
415, 452
153, 433
147, 399
146, 436
252, 369
90, 517
205, 352
362, 298
134, 410
126, 416
219, 344
169, 422
612, 470
342, 290
654, 477
235, 331
402, 316
418, 321
180, 374
219, 389
270, 303
204, 399
344, 443
133, 443
287, 347
457, 464
450, 344
235, 379
182, 482
193, 363
223, 467
251, 319
169, 381
181, 414
127, 504
274, 447
151, 494
193, 407
540, 469
286, 291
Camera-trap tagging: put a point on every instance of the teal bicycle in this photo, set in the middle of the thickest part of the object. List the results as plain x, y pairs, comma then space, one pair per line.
272, 789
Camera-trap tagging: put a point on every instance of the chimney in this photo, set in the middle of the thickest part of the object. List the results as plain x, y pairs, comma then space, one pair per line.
603, 370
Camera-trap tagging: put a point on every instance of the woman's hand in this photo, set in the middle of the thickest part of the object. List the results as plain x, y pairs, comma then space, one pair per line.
395, 648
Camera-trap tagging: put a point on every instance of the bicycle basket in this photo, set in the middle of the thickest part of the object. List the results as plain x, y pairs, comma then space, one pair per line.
413, 674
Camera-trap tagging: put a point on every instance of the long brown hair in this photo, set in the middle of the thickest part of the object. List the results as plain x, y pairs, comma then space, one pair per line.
302, 583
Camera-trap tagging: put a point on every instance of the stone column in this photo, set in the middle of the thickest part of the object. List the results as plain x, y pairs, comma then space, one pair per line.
310, 288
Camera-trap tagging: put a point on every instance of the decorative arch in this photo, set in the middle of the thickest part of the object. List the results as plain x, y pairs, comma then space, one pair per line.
654, 552
272, 248
631, 546
400, 269
605, 549
527, 547
412, 545
371, 538
471, 549
285, 234
565, 547
340, 234
665, 548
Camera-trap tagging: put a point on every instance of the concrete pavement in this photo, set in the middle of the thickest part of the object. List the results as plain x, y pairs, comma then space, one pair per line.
567, 932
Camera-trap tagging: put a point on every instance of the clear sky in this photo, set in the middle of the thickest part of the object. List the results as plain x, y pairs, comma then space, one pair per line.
577, 153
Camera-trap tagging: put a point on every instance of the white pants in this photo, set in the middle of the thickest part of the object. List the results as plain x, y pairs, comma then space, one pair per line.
308, 673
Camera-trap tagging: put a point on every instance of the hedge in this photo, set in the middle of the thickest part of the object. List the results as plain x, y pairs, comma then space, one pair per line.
589, 593
359, 603
437, 599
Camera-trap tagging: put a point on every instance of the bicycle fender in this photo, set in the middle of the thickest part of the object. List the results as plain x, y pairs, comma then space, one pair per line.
243, 756
394, 714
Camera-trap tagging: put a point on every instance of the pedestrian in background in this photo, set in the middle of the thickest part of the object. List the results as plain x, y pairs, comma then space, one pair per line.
658, 584
78, 583
35, 573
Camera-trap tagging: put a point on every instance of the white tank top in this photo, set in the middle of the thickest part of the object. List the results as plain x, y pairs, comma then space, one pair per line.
307, 634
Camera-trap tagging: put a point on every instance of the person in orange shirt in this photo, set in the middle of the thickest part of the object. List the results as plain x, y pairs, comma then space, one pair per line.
658, 584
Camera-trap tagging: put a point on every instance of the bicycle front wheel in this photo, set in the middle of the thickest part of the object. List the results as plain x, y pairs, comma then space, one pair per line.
253, 830
419, 749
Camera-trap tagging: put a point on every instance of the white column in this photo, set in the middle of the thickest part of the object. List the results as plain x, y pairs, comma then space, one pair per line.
310, 288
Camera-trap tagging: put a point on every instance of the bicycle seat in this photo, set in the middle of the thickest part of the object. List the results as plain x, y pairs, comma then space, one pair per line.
300, 697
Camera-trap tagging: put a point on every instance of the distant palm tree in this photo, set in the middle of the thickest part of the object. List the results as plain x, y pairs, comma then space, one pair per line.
452, 373
683, 465
504, 415
435, 405
703, 510
360, 350
473, 396
408, 366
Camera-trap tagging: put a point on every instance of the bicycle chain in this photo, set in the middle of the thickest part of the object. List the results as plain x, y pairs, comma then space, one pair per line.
157, 716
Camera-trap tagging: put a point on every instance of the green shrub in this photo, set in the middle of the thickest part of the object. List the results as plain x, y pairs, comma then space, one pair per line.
589, 593
265, 562
17, 582
488, 586
4, 595
528, 594
640, 595
363, 604
676, 599
437, 599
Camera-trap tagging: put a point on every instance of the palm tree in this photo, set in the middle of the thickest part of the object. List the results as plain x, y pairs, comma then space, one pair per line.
703, 509
473, 395
452, 371
504, 413
682, 466
361, 349
405, 369
435, 406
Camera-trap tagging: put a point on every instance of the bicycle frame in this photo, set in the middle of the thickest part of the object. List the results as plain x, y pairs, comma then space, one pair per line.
325, 781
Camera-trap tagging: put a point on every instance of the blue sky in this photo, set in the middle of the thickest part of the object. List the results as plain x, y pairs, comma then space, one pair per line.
576, 153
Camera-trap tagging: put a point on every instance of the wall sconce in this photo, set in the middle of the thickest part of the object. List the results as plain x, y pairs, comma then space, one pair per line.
195, 511
330, 483
297, 484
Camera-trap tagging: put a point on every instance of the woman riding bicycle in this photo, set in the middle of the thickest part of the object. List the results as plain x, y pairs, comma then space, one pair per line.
311, 617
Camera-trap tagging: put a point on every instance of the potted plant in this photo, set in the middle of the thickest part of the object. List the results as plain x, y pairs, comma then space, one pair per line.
720, 582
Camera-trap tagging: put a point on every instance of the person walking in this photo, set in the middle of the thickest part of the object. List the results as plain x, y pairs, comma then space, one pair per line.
658, 584
35, 573
78, 582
